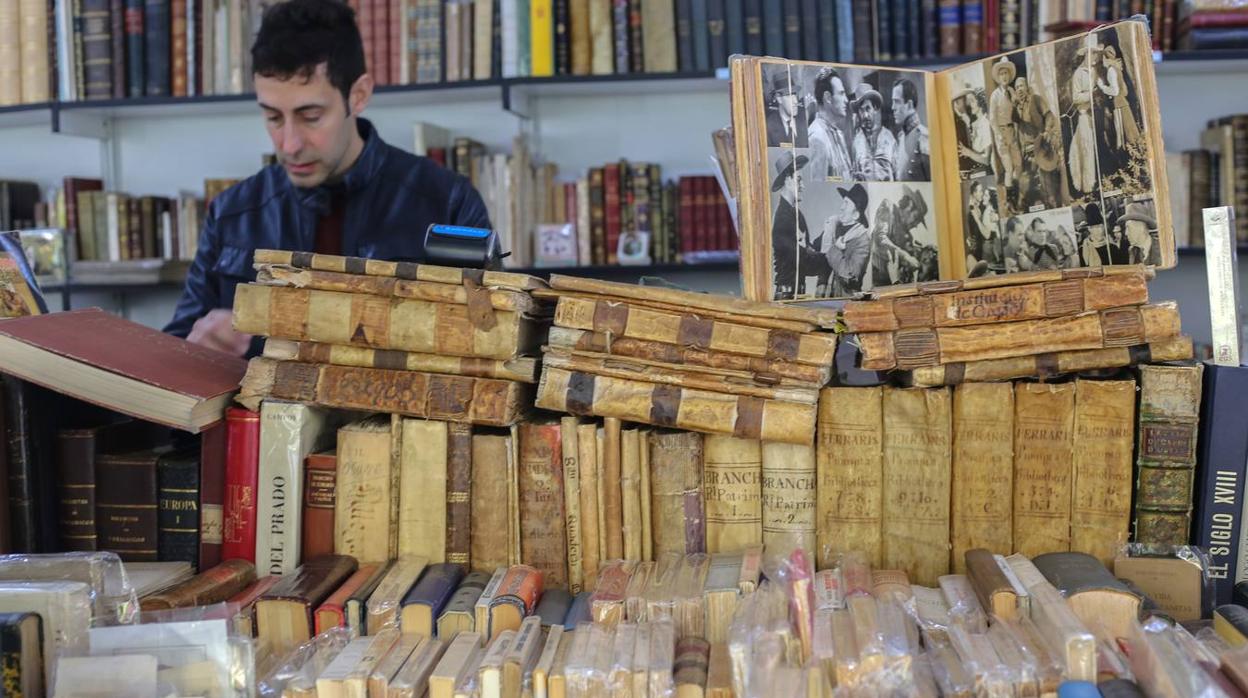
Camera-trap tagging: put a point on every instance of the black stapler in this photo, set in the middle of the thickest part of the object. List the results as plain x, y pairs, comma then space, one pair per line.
461, 246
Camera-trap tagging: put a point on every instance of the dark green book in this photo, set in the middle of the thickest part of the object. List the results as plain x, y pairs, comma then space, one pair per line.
177, 482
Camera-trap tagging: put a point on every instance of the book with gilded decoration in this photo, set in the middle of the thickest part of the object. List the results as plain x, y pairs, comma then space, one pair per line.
1169, 416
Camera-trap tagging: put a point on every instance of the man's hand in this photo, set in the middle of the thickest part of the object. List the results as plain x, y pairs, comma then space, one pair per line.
216, 331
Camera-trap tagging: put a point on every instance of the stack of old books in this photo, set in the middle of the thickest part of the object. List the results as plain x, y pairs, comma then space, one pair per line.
409, 339
1032, 324
687, 360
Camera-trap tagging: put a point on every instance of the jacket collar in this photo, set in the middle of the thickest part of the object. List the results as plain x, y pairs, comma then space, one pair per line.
361, 174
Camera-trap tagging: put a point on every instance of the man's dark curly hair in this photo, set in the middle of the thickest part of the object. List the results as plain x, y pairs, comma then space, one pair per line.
297, 36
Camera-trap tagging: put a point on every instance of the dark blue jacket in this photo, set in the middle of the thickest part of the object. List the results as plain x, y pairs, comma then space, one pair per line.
391, 198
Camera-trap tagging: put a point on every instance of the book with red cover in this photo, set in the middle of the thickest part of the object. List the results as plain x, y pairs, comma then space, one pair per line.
700, 224
242, 469
109, 361
611, 205
319, 491
333, 612
685, 203
211, 494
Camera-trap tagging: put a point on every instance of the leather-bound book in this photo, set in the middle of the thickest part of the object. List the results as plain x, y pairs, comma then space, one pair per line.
357, 601
362, 525
319, 494
917, 480
332, 612
1169, 417
1106, 606
983, 464
849, 467
570, 449
221, 583
284, 613
459, 613
581, 45
424, 602
136, 61
489, 538
157, 45
117, 22
1044, 427
177, 66
386, 599
21, 654
522, 369
178, 521
991, 583
677, 510
732, 486
423, 490
212, 458
459, 494
543, 527
242, 472
126, 503
97, 48
1221, 460
658, 36
517, 596
1100, 515
1230, 622
29, 433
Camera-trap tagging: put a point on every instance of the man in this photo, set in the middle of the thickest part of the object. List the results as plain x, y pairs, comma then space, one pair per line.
1040, 142
851, 249
1139, 223
874, 146
788, 225
786, 125
829, 151
912, 162
1001, 122
337, 187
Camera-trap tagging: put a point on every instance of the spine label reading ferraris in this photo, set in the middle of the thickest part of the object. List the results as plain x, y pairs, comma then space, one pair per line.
1043, 453
917, 475
983, 464
849, 462
1104, 431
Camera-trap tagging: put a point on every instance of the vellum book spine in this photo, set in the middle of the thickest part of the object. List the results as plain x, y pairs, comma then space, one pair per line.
630, 493
1100, 515
983, 464
591, 513
788, 494
1044, 424
362, 506
917, 474
521, 369
423, 490
287, 276
612, 499
732, 472
543, 528
490, 532
676, 492
1166, 448
570, 450
849, 465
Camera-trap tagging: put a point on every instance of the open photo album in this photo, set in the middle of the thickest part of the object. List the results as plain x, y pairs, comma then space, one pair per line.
854, 178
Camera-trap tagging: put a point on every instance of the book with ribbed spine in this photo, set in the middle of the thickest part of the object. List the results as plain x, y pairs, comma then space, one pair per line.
917, 473
543, 526
732, 486
1100, 516
459, 613
1169, 416
215, 585
285, 275
362, 526
630, 493
489, 533
677, 510
127, 503
611, 497
424, 604
177, 483
849, 468
289, 434
983, 463
423, 490
789, 494
592, 549
570, 452
97, 43
1044, 415
459, 494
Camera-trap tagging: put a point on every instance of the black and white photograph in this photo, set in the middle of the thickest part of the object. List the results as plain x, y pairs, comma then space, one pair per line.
1122, 151
1096, 247
981, 227
1131, 225
1074, 100
793, 258
1043, 240
970, 122
785, 114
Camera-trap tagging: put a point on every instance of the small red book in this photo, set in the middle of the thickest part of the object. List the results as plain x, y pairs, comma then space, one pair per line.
242, 470
319, 492
333, 613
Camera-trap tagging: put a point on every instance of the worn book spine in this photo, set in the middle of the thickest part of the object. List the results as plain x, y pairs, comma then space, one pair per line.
75, 471
315, 580
1044, 423
411, 394
489, 534
630, 493
1169, 416
379, 322
983, 463
127, 504
543, 526
1050, 364
177, 482
289, 432
319, 494
215, 585
284, 275
458, 494
212, 458
591, 513
97, 49
156, 32
917, 473
678, 521
581, 45
789, 495
849, 465
519, 369
423, 490
242, 470
983, 306
1100, 516
612, 499
647, 515
1116, 327
362, 504
669, 406
570, 452
732, 477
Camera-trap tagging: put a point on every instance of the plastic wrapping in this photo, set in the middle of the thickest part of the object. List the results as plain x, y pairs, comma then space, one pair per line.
951, 675
113, 600
1159, 661
1019, 663
623, 647
413, 675
1061, 628
297, 670
690, 608
760, 640
589, 660
607, 603
386, 669
662, 659
829, 589
1048, 664
793, 571
635, 597
964, 607
492, 662
661, 587
194, 657
992, 677
65, 609
640, 683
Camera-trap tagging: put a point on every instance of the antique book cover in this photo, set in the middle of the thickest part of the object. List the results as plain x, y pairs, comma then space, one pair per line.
611, 479
400, 270
570, 451
378, 322
732, 485
211, 586
591, 514
1107, 606
917, 472
670, 406
1044, 428
458, 493
1049, 364
490, 532
1175, 584
991, 583
543, 528
849, 467
1048, 157
423, 490
1007, 299
459, 613
284, 612
362, 505
647, 515
178, 524
676, 509
916, 347
523, 369
385, 601
1169, 416
320, 488
242, 470
630, 493
289, 433
789, 495
1100, 516
983, 464
126, 503
411, 394
332, 612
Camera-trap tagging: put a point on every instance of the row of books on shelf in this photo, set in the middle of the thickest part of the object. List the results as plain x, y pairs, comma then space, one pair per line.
1215, 174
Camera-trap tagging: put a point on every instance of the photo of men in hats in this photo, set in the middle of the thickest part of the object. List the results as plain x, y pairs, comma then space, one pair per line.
851, 243
1007, 155
1122, 151
786, 116
1042, 180
1043, 240
1133, 227
829, 148
912, 161
875, 147
789, 232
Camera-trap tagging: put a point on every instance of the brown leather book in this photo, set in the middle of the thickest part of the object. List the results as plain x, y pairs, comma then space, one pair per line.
332, 612
459, 494
543, 526
245, 601
126, 501
221, 583
676, 508
992, 586
178, 68
319, 489
284, 612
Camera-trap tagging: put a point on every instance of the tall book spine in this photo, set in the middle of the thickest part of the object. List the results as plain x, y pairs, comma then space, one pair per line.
563, 37
597, 216
734, 27
179, 78
827, 31
423, 487
395, 41
917, 479
242, 471
717, 40
620, 35
543, 526
1044, 423
289, 432
320, 488
36, 66
482, 28
362, 506
732, 485
1169, 418
636, 38
136, 48
677, 510
1100, 516
570, 452
773, 27
542, 37
699, 33
611, 208
458, 494
864, 30
75, 477
1221, 459
789, 494
490, 453
602, 52
612, 499
212, 458
97, 46
658, 18
811, 29
630, 494
582, 41
177, 481
591, 514
127, 503
753, 25
156, 35
849, 468
972, 26
885, 29
983, 463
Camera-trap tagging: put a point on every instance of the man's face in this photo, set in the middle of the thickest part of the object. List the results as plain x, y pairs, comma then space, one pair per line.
901, 108
909, 212
849, 211
787, 103
1021, 89
308, 123
839, 100
870, 116
1137, 233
